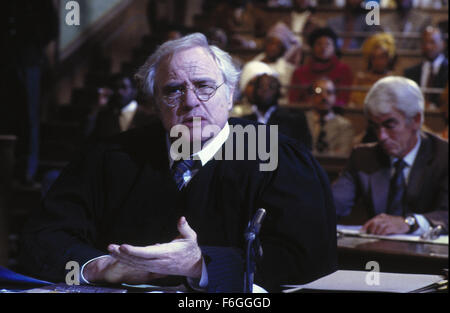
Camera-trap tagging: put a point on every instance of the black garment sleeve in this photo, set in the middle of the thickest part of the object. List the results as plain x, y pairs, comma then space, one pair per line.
63, 228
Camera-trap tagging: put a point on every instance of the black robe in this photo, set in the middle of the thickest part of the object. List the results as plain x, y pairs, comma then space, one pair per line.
120, 191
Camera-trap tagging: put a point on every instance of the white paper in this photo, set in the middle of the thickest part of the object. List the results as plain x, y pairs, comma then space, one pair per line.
367, 281
355, 230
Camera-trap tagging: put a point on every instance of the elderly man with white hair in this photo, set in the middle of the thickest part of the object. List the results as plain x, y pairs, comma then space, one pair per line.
402, 179
129, 210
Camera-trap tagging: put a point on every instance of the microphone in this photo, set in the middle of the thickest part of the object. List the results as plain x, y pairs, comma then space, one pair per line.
254, 248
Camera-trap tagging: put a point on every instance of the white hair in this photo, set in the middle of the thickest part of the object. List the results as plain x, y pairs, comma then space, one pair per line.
146, 74
395, 92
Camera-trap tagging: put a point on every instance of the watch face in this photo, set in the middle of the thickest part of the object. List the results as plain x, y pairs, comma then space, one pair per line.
410, 220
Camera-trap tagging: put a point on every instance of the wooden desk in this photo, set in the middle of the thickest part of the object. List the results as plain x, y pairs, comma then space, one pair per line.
392, 256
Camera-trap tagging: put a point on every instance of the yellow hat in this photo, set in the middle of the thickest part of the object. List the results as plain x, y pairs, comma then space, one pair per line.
384, 40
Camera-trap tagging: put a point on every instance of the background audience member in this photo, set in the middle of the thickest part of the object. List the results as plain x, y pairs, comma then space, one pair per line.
241, 20
249, 73
352, 19
302, 20
323, 62
402, 180
444, 110
28, 27
379, 54
290, 122
332, 134
405, 21
122, 111
432, 72
282, 52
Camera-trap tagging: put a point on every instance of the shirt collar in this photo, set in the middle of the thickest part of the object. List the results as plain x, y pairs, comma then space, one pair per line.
132, 106
436, 63
209, 149
329, 116
411, 156
263, 117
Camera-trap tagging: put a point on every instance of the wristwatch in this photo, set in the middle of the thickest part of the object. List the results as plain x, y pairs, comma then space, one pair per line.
411, 221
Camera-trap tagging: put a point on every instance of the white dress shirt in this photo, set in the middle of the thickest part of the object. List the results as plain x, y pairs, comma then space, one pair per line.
409, 160
428, 66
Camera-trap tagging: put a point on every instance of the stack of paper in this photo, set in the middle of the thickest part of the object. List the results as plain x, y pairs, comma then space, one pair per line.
367, 281
355, 230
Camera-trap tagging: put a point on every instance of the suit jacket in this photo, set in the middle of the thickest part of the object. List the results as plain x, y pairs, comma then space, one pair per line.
417, 20
339, 133
368, 174
291, 122
107, 122
439, 81
121, 191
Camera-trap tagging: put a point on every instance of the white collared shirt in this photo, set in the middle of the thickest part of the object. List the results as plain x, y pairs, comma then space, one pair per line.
127, 114
430, 66
263, 117
409, 159
210, 148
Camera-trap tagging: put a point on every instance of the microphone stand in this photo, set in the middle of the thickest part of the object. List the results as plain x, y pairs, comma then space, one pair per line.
253, 248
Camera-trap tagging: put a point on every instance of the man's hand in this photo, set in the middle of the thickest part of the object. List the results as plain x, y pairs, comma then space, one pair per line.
182, 256
384, 224
110, 270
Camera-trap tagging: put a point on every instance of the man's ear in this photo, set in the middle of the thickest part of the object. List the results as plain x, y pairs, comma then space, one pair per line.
417, 119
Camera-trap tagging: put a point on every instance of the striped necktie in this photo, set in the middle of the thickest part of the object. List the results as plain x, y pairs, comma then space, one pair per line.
182, 171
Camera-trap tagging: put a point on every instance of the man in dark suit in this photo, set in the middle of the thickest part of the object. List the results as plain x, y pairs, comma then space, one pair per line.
121, 210
291, 122
432, 72
122, 112
402, 180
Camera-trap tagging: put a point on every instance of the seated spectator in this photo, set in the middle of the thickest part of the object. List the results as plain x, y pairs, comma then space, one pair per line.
331, 133
323, 63
352, 19
217, 37
402, 180
406, 21
122, 111
249, 73
282, 52
302, 19
241, 20
432, 72
266, 92
379, 55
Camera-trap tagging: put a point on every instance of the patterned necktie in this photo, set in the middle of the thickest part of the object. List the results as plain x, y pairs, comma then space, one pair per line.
182, 171
321, 144
397, 190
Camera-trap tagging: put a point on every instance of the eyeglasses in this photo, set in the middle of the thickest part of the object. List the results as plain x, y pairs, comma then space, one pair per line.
203, 92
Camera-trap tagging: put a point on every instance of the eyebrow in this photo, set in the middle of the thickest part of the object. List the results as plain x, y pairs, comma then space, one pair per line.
386, 122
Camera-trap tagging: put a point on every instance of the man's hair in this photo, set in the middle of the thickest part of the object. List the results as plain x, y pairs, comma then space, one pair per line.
395, 92
145, 76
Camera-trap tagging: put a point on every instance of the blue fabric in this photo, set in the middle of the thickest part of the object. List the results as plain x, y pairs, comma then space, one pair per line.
397, 190
9, 277
225, 266
181, 172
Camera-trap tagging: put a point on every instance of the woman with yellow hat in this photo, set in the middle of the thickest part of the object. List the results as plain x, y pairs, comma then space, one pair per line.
379, 55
